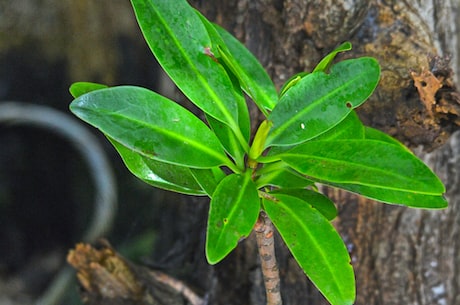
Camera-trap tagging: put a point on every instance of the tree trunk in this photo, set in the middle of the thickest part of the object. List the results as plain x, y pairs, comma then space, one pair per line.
400, 255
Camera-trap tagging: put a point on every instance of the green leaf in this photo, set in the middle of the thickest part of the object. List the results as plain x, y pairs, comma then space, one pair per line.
243, 65
410, 199
279, 174
252, 76
182, 46
365, 162
79, 88
159, 174
151, 125
233, 213
320, 101
228, 140
208, 179
227, 136
272, 153
317, 200
326, 62
350, 128
315, 245
257, 146
375, 134
322, 66
292, 81
283, 178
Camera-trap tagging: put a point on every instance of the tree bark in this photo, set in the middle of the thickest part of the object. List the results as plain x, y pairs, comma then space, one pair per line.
400, 255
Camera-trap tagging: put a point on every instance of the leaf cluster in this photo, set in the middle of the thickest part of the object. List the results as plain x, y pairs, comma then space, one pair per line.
311, 135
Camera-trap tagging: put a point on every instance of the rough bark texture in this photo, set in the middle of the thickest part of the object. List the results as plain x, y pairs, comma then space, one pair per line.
400, 255
264, 231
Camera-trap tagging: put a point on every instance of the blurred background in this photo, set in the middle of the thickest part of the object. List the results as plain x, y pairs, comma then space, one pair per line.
47, 187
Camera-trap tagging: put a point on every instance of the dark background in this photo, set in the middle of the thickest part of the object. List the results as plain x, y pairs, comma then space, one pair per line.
46, 191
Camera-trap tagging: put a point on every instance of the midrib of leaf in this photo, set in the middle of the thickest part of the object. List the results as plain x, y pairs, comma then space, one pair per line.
235, 148
283, 127
239, 72
315, 242
178, 136
364, 167
166, 182
239, 159
235, 207
229, 118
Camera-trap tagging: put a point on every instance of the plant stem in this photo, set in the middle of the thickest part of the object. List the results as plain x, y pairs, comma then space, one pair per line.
265, 242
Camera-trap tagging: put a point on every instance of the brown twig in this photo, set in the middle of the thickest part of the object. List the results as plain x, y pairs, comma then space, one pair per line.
178, 286
265, 242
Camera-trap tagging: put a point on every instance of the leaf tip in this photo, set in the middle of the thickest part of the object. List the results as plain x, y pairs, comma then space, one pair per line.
79, 88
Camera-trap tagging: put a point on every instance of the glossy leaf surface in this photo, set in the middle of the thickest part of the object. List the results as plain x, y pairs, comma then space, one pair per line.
182, 46
228, 140
317, 200
224, 132
233, 213
80, 88
281, 175
252, 76
322, 66
320, 101
326, 62
208, 179
350, 128
243, 65
151, 125
159, 174
291, 82
375, 134
258, 142
226, 135
315, 245
369, 163
390, 196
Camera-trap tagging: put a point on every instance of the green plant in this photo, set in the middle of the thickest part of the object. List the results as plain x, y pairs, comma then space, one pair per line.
311, 135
